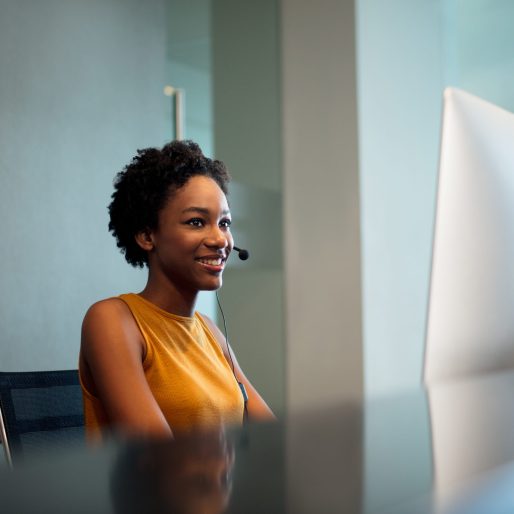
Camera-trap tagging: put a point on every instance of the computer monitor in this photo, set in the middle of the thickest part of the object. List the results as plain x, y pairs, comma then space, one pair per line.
470, 322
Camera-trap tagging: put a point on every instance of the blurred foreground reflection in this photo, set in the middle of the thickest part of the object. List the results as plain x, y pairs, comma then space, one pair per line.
190, 475
448, 449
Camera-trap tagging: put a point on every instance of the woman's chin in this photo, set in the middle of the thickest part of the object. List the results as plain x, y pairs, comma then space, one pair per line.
212, 286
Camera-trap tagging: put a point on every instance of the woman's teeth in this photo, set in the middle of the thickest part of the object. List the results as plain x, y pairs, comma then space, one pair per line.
212, 262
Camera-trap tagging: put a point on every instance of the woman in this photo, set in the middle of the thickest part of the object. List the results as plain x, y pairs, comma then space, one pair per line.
149, 364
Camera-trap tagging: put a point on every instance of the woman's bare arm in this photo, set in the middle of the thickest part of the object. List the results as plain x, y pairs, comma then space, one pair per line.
112, 351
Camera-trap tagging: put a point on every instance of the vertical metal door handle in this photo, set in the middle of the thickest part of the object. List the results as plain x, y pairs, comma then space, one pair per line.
178, 99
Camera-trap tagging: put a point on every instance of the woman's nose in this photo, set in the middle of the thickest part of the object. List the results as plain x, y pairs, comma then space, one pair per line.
218, 238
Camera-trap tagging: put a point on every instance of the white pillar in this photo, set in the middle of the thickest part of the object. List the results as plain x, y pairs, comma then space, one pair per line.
321, 204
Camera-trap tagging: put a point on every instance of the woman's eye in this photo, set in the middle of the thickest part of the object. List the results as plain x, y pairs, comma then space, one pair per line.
225, 223
195, 222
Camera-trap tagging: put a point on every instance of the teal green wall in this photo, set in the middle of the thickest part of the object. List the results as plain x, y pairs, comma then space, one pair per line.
400, 78
189, 67
477, 48
408, 51
80, 90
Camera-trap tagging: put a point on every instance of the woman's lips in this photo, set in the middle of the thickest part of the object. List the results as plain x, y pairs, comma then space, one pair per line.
215, 264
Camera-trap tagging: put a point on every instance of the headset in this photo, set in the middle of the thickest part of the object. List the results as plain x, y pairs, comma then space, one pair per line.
243, 255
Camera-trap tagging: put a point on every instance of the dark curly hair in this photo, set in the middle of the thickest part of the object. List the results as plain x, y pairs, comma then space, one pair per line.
142, 188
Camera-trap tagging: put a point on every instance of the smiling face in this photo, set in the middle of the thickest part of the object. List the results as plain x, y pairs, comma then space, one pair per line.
192, 241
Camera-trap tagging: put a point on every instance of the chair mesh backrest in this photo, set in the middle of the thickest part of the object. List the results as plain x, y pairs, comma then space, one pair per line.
41, 410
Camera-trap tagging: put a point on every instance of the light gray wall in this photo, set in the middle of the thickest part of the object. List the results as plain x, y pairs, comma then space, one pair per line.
246, 67
80, 90
246, 85
321, 204
324, 365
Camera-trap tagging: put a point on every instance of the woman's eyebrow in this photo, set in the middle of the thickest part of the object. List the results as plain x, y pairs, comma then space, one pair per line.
203, 210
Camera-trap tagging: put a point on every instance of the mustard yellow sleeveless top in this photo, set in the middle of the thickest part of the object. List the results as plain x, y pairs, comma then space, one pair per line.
185, 368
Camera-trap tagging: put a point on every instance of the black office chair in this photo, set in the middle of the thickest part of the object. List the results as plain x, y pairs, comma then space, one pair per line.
39, 410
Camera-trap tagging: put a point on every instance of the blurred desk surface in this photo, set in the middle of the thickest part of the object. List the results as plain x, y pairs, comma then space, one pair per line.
449, 449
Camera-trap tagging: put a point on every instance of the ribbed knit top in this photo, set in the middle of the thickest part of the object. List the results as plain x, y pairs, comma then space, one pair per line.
186, 370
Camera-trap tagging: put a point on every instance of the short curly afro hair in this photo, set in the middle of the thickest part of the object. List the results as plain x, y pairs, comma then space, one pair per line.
142, 188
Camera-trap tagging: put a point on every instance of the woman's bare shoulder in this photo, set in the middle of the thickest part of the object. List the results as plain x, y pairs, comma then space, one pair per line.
109, 319
112, 354
113, 306
113, 311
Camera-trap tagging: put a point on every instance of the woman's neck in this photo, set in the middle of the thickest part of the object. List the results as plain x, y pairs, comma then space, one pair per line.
168, 297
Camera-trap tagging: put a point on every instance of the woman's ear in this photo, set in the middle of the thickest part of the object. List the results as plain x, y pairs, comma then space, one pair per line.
144, 240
